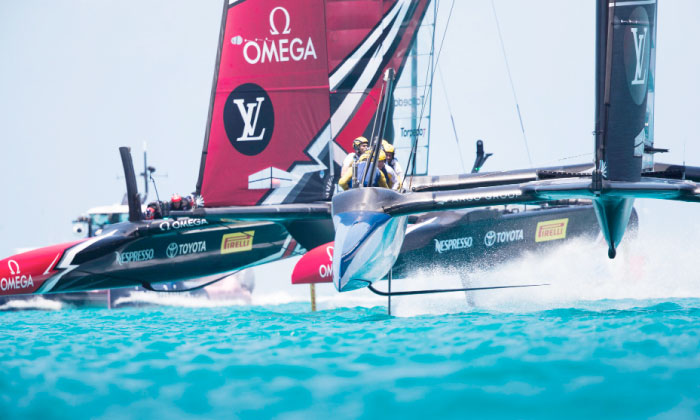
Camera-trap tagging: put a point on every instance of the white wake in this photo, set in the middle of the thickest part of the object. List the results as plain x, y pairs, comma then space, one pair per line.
657, 264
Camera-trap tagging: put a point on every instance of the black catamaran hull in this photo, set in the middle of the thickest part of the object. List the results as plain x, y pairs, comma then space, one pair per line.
144, 253
460, 241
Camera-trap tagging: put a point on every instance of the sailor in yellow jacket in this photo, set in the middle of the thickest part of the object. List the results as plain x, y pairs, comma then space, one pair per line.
351, 178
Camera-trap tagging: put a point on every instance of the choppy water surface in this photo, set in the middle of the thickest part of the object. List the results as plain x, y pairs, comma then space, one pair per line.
612, 339
281, 361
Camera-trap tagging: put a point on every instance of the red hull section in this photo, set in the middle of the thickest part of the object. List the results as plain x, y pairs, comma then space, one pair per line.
316, 266
26, 272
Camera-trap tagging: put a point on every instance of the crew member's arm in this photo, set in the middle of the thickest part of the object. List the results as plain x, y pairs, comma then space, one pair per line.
382, 180
398, 169
345, 180
347, 164
393, 179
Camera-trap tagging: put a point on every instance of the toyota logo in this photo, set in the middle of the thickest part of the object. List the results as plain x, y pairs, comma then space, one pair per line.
490, 238
171, 251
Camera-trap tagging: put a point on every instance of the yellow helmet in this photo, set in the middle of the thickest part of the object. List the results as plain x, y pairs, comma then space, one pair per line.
388, 147
367, 154
358, 141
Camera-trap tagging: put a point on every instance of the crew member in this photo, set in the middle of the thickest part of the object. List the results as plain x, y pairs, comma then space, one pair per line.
360, 145
391, 161
392, 179
178, 203
154, 210
352, 177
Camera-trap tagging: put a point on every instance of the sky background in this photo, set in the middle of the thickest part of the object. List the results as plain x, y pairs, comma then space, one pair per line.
78, 79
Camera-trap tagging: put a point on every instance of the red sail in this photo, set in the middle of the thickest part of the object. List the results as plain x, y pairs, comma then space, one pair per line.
371, 36
290, 77
270, 103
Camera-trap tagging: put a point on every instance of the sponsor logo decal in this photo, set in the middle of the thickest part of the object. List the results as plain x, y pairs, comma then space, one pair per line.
412, 132
603, 169
134, 256
181, 224
491, 238
282, 47
491, 196
640, 71
16, 280
175, 249
636, 53
412, 101
452, 244
13, 266
326, 270
249, 119
551, 230
171, 250
237, 242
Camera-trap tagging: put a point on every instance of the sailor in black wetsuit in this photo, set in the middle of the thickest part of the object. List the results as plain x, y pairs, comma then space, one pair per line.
159, 209
153, 211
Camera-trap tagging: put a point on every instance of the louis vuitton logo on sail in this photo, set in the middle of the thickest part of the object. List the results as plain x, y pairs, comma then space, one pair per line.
250, 113
249, 119
637, 31
640, 73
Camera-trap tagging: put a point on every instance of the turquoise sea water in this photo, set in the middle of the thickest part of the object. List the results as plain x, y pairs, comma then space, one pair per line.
282, 362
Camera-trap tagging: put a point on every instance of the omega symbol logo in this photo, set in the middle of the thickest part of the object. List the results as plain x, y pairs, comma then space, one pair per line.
249, 119
12, 263
280, 46
273, 28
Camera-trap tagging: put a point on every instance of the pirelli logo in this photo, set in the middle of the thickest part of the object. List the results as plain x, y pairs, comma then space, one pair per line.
551, 230
237, 242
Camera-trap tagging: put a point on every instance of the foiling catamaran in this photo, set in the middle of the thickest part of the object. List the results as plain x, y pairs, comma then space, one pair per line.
289, 97
370, 222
